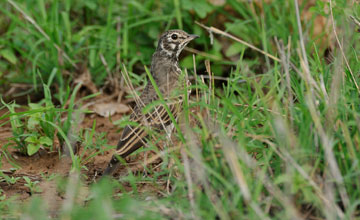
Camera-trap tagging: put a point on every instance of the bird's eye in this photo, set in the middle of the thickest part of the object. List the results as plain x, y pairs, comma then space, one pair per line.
174, 36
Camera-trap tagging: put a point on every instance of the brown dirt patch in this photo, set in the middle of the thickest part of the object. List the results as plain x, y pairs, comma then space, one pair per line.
48, 163
45, 164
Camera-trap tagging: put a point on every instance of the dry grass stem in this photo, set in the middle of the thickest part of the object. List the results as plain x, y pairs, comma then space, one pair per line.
195, 78
271, 188
302, 43
199, 172
103, 61
211, 81
341, 47
127, 79
356, 21
189, 181
285, 61
217, 31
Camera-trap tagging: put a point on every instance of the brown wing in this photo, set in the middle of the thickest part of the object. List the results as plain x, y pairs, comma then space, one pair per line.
133, 137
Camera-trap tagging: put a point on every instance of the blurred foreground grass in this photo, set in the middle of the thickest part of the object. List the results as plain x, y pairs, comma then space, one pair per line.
282, 145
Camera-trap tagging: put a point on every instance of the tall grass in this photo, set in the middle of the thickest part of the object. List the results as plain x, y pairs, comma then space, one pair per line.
282, 145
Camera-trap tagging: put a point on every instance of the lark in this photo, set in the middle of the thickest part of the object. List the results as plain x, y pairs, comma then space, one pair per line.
167, 75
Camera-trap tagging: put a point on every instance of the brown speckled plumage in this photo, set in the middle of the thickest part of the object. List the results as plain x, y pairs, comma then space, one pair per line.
166, 73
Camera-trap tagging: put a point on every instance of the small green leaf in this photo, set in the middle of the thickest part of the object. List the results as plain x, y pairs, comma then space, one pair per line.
45, 140
32, 149
234, 49
8, 55
34, 106
283, 178
33, 122
32, 139
27, 179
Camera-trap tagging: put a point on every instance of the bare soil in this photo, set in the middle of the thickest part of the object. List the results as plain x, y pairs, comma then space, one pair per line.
45, 163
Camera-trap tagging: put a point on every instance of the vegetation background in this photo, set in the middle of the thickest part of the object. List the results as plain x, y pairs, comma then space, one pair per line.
274, 113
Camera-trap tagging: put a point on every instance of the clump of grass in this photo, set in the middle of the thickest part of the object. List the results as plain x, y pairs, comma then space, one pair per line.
42, 123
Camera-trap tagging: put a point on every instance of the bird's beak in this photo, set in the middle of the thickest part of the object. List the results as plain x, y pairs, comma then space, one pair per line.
192, 37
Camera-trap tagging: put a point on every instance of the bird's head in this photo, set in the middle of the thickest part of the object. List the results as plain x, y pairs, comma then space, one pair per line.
172, 42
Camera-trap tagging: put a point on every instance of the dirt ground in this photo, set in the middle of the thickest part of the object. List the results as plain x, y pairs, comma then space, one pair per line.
46, 163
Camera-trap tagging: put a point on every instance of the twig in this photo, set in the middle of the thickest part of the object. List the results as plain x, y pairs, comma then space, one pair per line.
217, 31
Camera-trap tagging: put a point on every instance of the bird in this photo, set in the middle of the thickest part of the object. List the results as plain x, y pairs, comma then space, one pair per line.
167, 75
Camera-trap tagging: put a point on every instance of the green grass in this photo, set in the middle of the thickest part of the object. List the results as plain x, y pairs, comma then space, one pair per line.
282, 145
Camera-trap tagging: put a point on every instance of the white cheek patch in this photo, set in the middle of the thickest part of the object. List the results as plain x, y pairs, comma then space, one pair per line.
180, 49
172, 46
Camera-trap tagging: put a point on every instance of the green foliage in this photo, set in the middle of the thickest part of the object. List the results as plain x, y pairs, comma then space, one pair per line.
201, 7
280, 144
34, 143
35, 209
10, 180
30, 130
2, 196
9, 56
94, 144
32, 185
